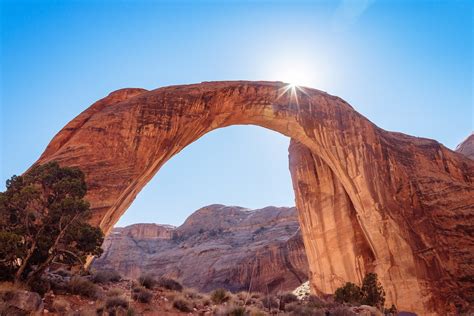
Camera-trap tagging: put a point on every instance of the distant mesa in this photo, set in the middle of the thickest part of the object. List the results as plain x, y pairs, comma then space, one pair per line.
217, 246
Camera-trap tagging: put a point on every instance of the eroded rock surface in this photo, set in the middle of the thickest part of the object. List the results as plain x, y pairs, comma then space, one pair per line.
398, 205
217, 246
467, 147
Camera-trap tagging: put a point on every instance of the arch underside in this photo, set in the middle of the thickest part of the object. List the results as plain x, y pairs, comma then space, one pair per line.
368, 200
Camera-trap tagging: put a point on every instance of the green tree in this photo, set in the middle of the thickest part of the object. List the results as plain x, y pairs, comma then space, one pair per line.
373, 292
370, 293
349, 293
43, 218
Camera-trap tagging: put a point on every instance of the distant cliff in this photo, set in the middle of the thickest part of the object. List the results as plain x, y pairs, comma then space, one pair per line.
467, 147
217, 246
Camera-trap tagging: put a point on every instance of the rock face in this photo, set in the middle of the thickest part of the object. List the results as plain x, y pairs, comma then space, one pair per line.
217, 246
369, 200
467, 147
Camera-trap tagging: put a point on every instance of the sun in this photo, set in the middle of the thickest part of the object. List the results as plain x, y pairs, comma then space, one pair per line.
292, 85
295, 72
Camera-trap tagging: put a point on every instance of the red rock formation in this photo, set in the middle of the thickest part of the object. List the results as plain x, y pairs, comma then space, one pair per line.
410, 200
218, 246
467, 147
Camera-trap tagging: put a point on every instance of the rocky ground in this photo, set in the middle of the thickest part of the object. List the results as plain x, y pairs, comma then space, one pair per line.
217, 246
121, 298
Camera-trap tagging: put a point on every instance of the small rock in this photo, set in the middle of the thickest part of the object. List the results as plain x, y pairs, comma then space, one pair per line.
26, 301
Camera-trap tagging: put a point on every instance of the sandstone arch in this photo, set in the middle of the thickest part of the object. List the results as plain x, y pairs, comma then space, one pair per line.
369, 200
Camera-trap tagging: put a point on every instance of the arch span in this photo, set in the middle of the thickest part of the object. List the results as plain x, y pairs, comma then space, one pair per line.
369, 200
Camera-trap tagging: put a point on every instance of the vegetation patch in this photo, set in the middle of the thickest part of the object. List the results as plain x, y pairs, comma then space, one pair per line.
81, 286
169, 284
147, 281
106, 276
219, 296
182, 304
43, 219
142, 295
371, 293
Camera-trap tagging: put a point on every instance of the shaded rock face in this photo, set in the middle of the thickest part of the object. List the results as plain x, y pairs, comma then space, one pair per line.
467, 147
406, 203
217, 246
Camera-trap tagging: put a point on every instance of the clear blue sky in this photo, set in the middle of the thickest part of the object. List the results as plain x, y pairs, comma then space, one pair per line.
406, 65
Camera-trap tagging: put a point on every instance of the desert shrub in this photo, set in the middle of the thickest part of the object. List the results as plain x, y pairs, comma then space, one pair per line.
237, 311
115, 292
169, 284
342, 311
314, 301
118, 305
60, 306
182, 305
232, 310
372, 291
193, 294
40, 286
116, 302
298, 309
206, 301
83, 287
219, 296
142, 295
287, 298
105, 276
147, 280
349, 293
270, 302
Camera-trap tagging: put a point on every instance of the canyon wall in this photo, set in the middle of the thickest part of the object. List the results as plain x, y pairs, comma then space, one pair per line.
467, 147
402, 206
218, 246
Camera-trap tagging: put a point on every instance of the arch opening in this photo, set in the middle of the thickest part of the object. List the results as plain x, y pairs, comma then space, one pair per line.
319, 233
244, 166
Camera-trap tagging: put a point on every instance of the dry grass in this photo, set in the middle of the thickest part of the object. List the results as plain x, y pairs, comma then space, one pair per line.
61, 306
106, 276
142, 295
147, 280
182, 304
169, 284
81, 286
220, 296
115, 292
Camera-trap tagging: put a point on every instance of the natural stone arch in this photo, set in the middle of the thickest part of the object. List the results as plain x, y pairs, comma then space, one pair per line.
400, 201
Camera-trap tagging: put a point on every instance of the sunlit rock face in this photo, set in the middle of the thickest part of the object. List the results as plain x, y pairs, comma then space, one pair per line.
467, 147
218, 246
404, 205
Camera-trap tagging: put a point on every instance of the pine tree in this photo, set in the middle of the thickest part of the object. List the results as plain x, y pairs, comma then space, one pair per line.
43, 218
